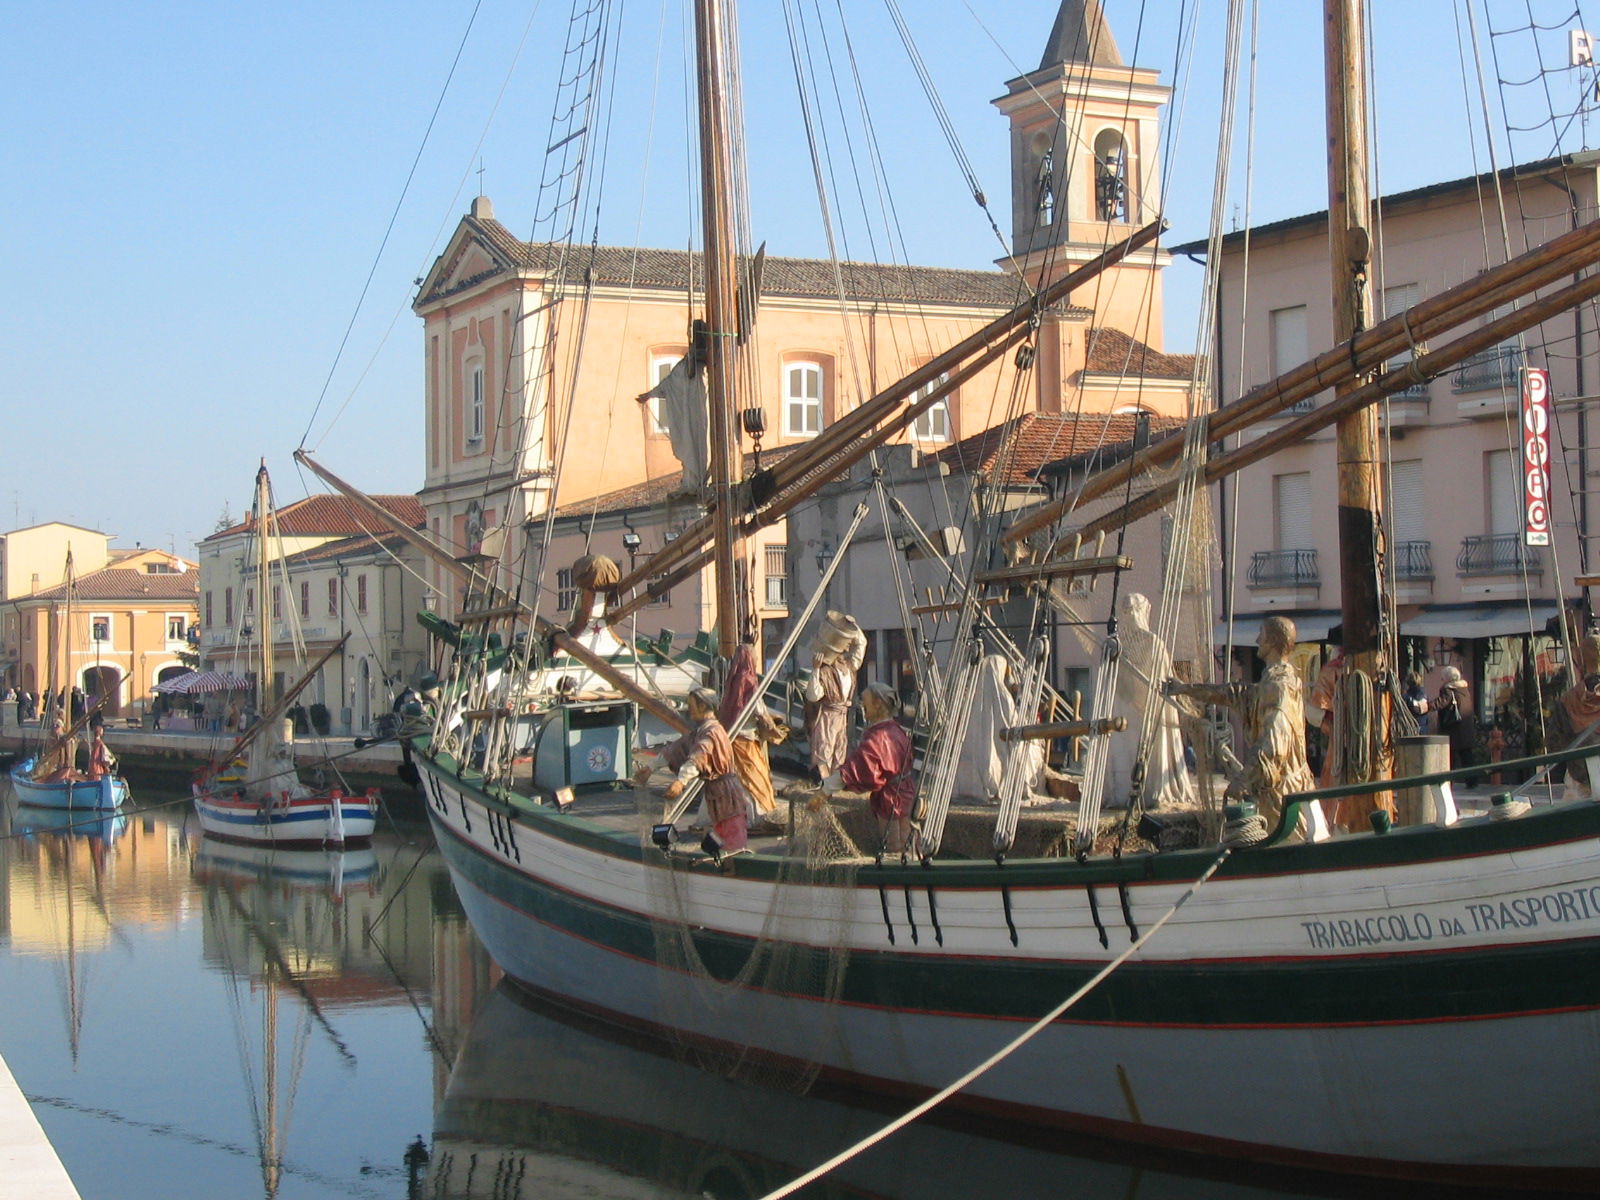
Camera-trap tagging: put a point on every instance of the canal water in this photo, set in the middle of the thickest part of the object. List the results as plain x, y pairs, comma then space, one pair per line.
190, 1018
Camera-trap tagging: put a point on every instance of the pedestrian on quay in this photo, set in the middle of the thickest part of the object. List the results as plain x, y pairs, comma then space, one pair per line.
1456, 718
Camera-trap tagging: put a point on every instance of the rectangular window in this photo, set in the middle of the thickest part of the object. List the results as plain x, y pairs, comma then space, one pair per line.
175, 627
566, 593
802, 399
1292, 511
333, 597
475, 403
777, 577
305, 598
227, 606
208, 609
100, 627
660, 367
249, 601
1504, 498
1289, 345
1408, 519
277, 602
933, 425
361, 594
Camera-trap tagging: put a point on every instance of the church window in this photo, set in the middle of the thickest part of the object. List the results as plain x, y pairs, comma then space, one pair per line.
1110, 177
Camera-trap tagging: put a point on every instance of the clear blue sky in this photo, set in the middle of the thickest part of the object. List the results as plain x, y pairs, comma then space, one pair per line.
194, 195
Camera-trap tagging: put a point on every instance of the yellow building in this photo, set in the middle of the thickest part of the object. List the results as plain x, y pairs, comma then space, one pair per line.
114, 632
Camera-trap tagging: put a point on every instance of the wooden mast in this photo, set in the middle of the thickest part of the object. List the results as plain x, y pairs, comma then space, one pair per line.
720, 356
263, 596
1349, 254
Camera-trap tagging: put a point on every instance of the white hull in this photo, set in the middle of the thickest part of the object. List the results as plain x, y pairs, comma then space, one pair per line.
330, 820
1337, 1076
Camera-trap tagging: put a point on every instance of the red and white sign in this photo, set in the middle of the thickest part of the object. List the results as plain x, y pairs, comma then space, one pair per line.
1535, 456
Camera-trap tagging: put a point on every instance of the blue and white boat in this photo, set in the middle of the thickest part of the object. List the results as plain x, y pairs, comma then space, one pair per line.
103, 794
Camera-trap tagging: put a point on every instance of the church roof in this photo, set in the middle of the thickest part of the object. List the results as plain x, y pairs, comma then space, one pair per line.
675, 270
1081, 35
1113, 352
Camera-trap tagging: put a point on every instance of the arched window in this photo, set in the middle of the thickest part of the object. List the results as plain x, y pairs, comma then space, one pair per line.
1110, 176
474, 421
1045, 189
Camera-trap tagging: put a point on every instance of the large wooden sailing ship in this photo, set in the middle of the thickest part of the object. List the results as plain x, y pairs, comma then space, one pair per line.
1415, 1003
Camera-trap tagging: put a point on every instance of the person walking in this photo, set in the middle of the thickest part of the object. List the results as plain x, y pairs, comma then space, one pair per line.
1456, 718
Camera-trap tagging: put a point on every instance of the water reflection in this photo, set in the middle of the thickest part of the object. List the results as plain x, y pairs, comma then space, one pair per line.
546, 1103
238, 1021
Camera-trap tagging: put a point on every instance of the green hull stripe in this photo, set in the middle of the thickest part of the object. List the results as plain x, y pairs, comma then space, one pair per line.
1427, 986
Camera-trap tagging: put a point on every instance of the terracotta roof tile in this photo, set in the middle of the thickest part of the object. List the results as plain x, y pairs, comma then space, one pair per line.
1013, 452
1112, 352
128, 583
360, 544
329, 515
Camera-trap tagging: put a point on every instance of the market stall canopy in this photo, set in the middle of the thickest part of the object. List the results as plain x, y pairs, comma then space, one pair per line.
202, 682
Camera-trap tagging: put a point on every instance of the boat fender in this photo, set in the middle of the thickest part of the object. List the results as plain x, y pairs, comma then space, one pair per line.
1094, 911
933, 907
1127, 911
883, 899
1005, 902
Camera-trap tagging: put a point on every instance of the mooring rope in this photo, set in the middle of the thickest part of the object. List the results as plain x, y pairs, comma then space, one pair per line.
1005, 1051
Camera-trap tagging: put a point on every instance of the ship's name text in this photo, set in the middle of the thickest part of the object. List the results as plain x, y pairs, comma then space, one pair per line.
1561, 907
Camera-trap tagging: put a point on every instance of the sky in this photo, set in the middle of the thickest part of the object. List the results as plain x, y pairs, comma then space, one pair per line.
215, 214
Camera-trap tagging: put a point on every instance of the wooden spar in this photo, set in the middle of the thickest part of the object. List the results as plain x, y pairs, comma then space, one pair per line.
1484, 293
1061, 568
844, 437
1057, 729
263, 584
268, 714
1433, 363
558, 636
720, 352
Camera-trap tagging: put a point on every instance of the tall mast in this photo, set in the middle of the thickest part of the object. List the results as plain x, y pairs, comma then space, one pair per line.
716, 187
1349, 253
263, 598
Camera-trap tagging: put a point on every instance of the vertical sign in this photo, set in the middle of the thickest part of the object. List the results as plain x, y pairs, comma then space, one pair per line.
1535, 456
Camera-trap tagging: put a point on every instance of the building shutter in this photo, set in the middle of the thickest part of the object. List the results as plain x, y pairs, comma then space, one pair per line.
1409, 519
1292, 497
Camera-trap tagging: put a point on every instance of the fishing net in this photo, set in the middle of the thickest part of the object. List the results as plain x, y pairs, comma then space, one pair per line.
727, 986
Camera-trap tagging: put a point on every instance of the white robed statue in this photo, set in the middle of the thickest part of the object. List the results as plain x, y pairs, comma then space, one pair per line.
684, 417
1145, 658
982, 764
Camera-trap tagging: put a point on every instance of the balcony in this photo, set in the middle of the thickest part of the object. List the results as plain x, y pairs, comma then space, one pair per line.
1488, 371
1283, 569
1413, 562
1498, 554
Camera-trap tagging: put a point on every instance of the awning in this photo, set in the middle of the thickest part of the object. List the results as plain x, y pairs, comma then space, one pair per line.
202, 682
1308, 626
1479, 620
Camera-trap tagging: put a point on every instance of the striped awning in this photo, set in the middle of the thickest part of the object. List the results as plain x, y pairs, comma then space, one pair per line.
202, 683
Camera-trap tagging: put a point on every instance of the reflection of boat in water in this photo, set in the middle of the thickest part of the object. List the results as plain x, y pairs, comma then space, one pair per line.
98, 824
273, 925
573, 1107
235, 863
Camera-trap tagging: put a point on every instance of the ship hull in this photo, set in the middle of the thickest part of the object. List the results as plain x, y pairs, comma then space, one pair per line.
331, 819
1410, 1010
97, 795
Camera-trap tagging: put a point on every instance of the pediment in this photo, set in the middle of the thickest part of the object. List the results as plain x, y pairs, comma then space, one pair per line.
469, 261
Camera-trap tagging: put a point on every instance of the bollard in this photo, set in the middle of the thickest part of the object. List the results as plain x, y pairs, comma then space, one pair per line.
1420, 755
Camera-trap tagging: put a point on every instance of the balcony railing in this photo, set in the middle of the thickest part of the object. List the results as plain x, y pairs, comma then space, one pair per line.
1488, 370
1498, 554
1413, 561
1283, 568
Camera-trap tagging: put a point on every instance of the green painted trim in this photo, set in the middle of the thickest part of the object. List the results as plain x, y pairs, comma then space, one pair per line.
1374, 989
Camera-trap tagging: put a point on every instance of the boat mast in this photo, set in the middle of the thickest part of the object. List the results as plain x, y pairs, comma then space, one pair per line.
719, 353
263, 602
1349, 255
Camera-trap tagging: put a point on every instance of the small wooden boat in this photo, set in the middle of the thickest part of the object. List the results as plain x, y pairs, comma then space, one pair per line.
101, 794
